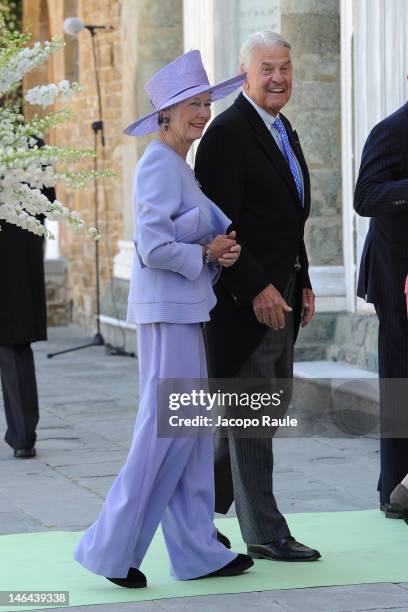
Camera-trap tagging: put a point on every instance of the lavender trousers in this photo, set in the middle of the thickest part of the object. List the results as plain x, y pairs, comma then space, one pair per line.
167, 480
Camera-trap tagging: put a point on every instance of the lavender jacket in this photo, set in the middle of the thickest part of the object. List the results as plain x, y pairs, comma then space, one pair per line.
173, 218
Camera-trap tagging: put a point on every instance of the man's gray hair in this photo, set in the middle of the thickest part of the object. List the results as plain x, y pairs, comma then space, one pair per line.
266, 38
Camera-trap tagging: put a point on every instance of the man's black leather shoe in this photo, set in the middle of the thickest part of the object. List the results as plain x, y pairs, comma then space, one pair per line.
25, 453
223, 539
238, 565
284, 549
134, 580
393, 511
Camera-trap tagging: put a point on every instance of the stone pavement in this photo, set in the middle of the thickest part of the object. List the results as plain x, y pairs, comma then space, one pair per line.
88, 403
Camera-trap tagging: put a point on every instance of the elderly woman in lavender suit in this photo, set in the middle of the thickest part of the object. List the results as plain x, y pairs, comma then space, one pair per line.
181, 242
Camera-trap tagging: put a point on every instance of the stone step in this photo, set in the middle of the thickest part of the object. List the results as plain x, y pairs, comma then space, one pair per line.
118, 333
333, 399
344, 337
330, 369
310, 351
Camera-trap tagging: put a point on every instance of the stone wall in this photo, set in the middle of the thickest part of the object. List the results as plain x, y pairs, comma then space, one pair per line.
78, 133
45, 19
345, 337
56, 287
313, 29
36, 20
152, 36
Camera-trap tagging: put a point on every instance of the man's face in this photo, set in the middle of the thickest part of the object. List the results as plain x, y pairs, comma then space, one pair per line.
269, 77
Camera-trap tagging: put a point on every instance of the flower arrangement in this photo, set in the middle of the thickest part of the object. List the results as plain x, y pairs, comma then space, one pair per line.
25, 167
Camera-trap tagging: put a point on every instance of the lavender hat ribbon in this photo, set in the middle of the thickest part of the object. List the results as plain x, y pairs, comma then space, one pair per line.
183, 78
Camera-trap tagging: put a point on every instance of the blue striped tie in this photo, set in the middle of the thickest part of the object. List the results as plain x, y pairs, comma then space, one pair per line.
278, 124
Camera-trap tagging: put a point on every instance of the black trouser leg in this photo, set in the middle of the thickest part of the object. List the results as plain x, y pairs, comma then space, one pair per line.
20, 394
248, 461
224, 491
392, 364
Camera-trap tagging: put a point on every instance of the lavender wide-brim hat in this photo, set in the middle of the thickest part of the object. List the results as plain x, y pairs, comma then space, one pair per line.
183, 78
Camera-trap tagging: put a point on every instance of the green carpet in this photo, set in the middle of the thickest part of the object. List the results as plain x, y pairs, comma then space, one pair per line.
357, 547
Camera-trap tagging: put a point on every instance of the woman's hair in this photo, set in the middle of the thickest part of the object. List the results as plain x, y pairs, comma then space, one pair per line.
266, 38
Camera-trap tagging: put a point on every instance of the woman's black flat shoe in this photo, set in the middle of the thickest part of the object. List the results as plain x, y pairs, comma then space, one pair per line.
238, 565
134, 580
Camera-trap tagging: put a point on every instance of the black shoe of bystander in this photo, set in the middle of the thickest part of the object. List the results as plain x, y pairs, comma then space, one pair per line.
25, 453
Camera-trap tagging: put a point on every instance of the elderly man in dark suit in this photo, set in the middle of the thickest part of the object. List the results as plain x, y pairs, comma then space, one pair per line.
382, 194
23, 320
251, 164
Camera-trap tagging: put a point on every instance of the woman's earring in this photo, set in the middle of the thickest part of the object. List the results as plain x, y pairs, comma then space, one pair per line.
163, 120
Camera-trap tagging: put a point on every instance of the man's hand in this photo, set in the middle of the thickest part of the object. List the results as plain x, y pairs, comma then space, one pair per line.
270, 307
230, 257
308, 307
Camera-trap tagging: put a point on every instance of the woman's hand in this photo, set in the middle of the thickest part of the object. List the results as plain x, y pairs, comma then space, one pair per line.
224, 249
219, 246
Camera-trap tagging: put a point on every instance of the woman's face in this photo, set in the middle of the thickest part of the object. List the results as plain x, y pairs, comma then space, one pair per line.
189, 118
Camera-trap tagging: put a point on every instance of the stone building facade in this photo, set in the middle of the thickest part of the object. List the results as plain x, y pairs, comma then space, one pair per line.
350, 58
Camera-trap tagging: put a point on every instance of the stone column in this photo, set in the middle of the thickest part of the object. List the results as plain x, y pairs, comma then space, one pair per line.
380, 63
151, 37
235, 20
313, 29
218, 29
